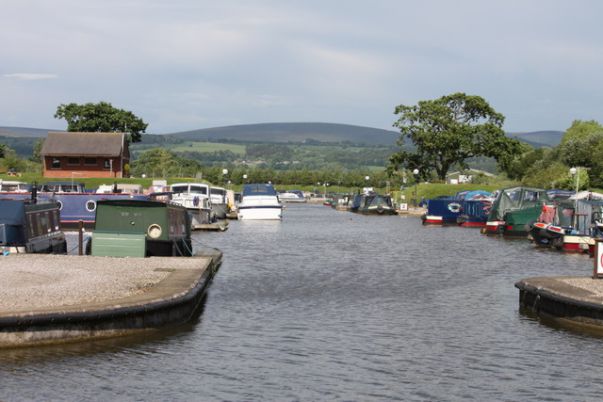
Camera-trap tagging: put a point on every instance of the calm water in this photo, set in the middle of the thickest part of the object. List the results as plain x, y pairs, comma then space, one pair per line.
330, 305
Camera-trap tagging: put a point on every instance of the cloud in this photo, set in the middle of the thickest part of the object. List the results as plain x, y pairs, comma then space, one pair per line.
31, 76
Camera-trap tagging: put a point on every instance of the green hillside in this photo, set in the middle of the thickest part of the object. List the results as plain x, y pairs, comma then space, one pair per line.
293, 132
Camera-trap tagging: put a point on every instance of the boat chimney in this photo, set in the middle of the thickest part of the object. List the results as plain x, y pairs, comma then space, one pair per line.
34, 193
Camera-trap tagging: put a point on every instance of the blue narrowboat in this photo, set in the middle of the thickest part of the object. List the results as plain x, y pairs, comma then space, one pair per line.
27, 226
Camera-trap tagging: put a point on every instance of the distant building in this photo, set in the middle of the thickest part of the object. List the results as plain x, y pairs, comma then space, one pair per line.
74, 154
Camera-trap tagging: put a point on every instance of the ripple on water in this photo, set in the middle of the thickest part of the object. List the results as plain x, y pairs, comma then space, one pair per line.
329, 305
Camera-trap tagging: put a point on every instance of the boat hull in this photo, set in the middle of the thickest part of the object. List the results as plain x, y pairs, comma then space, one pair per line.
260, 213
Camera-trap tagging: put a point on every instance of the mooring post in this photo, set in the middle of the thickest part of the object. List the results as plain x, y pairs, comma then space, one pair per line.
80, 241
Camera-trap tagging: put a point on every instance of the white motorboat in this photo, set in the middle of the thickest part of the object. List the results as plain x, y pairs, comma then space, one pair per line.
260, 201
196, 199
292, 196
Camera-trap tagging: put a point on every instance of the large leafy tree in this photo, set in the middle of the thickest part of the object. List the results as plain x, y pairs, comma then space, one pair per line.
101, 117
447, 131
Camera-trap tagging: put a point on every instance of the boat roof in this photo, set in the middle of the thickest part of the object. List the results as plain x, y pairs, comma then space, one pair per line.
258, 189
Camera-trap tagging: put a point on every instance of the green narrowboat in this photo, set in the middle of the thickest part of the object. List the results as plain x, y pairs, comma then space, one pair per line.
514, 210
138, 228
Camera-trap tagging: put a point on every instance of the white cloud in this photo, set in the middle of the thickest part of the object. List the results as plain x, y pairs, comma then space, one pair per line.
31, 76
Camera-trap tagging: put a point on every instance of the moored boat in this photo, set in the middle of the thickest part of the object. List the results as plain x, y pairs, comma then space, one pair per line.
372, 203
219, 202
514, 210
27, 226
76, 204
259, 202
292, 196
138, 228
195, 198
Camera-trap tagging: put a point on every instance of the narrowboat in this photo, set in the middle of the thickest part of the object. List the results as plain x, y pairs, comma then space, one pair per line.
260, 202
76, 204
573, 228
514, 210
27, 226
465, 208
442, 211
138, 228
475, 208
373, 204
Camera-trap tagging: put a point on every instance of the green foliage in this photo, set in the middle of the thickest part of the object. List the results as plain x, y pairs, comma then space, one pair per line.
448, 131
101, 117
2, 150
160, 162
36, 155
517, 168
579, 141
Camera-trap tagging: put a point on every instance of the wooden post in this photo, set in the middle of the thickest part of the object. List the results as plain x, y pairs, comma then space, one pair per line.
598, 263
80, 242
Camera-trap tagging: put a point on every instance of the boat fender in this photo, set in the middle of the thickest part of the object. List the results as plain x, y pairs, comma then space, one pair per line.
595, 217
196, 201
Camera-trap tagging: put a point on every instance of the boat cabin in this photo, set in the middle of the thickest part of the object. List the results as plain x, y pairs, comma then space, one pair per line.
27, 227
135, 228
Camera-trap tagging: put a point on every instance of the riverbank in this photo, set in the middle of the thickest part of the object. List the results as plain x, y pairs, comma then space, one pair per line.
568, 300
48, 299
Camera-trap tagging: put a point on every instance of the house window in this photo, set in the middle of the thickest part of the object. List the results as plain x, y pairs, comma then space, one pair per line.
107, 164
90, 161
56, 163
73, 161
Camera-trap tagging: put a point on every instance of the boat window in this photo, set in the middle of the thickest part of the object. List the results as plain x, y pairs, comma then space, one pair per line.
198, 190
531, 196
56, 163
218, 191
179, 189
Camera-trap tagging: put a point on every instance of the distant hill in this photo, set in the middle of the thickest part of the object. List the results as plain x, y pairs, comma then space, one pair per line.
293, 132
540, 139
24, 132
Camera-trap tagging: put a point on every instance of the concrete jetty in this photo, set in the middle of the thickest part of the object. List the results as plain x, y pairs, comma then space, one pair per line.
46, 299
568, 300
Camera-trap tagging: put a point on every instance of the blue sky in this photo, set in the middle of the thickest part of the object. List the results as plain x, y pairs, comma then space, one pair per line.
188, 64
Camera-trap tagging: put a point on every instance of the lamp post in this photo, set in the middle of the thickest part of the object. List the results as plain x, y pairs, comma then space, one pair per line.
416, 175
224, 173
245, 178
326, 184
575, 172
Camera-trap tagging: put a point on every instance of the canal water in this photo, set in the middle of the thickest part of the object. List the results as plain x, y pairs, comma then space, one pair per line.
330, 305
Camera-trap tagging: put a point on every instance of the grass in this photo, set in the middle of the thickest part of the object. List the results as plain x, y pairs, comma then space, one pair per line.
205, 147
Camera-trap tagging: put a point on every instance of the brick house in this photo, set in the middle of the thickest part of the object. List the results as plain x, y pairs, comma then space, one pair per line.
71, 154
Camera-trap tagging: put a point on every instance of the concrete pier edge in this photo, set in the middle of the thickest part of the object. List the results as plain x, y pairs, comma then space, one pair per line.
175, 301
551, 298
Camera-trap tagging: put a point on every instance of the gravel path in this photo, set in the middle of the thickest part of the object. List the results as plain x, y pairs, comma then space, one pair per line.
32, 282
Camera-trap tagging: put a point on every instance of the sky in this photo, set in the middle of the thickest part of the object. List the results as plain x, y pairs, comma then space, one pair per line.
189, 64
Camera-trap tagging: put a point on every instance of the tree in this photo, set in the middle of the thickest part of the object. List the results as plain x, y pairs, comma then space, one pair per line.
36, 155
101, 117
579, 141
3, 149
449, 130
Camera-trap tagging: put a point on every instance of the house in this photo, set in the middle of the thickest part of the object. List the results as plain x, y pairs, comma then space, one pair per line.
75, 154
